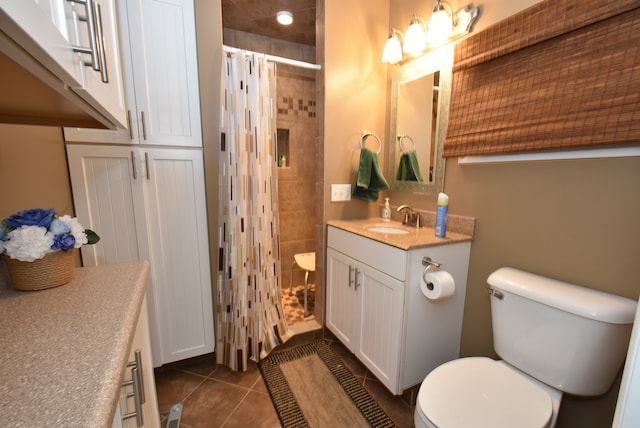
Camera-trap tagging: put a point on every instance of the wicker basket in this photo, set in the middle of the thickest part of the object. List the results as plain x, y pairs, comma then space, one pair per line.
53, 270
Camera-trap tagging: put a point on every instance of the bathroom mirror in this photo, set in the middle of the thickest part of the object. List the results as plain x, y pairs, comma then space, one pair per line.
419, 115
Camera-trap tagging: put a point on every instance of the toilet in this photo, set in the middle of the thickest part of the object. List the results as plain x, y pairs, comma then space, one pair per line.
550, 336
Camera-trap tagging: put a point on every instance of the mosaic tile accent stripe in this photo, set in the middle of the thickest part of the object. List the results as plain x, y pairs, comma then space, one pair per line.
296, 106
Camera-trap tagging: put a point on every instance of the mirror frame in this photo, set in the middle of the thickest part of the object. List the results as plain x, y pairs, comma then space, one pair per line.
438, 60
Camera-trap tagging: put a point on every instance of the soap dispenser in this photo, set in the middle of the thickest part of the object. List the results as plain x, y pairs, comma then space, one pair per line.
386, 210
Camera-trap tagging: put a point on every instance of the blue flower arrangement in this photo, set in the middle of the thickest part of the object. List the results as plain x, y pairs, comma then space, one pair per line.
30, 235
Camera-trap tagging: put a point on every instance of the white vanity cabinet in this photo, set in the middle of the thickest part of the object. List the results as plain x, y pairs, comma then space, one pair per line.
71, 46
159, 62
376, 309
364, 304
149, 204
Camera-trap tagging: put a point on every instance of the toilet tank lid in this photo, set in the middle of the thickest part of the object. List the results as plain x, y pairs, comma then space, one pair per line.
582, 301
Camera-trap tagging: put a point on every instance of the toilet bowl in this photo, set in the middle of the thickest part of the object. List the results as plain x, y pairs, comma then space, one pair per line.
480, 392
550, 335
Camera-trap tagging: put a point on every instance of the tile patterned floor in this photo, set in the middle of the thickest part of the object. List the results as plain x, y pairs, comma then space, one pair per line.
214, 396
294, 304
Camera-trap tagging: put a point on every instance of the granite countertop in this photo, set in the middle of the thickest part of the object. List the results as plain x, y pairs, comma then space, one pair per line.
415, 238
63, 350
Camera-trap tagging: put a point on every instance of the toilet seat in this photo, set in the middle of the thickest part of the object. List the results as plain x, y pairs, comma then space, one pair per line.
481, 392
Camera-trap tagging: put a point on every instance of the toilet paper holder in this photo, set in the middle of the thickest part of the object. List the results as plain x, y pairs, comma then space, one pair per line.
428, 263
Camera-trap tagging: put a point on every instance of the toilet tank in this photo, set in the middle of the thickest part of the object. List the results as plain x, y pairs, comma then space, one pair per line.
570, 337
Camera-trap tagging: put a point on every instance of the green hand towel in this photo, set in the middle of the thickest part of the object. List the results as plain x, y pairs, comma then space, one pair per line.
409, 169
370, 179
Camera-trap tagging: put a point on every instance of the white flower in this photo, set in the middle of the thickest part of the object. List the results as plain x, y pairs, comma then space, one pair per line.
58, 227
28, 243
76, 230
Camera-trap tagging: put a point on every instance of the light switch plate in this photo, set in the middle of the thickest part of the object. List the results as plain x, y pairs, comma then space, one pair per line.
340, 192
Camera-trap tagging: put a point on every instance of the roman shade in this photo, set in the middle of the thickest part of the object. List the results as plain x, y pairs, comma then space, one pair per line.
562, 74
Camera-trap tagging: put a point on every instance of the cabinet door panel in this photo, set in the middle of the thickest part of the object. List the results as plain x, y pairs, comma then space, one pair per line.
107, 96
165, 71
381, 309
341, 298
179, 251
160, 73
41, 29
106, 197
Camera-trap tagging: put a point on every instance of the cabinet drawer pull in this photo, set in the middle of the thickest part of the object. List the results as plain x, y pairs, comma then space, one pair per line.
146, 163
138, 357
356, 280
93, 18
129, 124
144, 126
100, 44
350, 280
92, 49
135, 381
133, 164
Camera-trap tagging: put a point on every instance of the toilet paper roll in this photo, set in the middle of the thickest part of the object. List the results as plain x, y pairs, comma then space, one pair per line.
437, 285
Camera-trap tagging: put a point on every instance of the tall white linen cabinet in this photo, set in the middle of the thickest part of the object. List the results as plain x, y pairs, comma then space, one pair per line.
142, 189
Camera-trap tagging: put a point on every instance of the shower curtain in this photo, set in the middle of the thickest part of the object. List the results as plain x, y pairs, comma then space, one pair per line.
250, 320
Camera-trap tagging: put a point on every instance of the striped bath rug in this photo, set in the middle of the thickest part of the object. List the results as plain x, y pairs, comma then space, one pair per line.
311, 387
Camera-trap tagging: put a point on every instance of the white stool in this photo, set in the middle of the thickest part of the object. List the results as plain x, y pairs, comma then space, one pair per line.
306, 262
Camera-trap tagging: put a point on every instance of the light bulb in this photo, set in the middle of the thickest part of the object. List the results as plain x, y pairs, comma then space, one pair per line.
392, 53
415, 39
440, 27
284, 17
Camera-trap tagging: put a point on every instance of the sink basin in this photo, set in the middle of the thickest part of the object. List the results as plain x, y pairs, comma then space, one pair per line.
387, 229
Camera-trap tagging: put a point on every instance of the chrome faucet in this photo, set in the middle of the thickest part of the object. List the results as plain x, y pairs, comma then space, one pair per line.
411, 218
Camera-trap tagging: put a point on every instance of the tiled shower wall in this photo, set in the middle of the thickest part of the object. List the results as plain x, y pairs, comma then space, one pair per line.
297, 182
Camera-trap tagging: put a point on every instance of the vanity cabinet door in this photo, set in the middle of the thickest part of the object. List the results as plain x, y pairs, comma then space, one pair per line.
365, 312
381, 299
342, 306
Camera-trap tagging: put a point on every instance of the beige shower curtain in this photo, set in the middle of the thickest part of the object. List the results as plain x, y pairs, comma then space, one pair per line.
250, 320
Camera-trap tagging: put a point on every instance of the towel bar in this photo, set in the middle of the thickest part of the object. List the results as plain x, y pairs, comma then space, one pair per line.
364, 136
402, 137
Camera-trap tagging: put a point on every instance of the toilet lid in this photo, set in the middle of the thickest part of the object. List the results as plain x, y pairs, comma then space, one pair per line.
481, 392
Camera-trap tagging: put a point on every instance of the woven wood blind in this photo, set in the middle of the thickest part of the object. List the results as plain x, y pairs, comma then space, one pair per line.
562, 74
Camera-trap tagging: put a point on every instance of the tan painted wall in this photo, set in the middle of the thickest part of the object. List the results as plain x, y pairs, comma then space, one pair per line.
33, 169
355, 91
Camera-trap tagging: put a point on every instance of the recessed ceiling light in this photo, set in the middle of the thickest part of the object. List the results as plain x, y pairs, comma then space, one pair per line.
284, 17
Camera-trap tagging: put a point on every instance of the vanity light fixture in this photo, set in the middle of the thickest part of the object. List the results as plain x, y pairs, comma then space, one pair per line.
416, 40
440, 24
445, 26
284, 17
392, 53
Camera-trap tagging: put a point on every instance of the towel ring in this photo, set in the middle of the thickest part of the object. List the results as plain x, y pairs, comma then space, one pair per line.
364, 136
402, 137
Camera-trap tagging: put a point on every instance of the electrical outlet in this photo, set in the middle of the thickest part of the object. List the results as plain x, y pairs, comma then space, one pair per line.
340, 192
